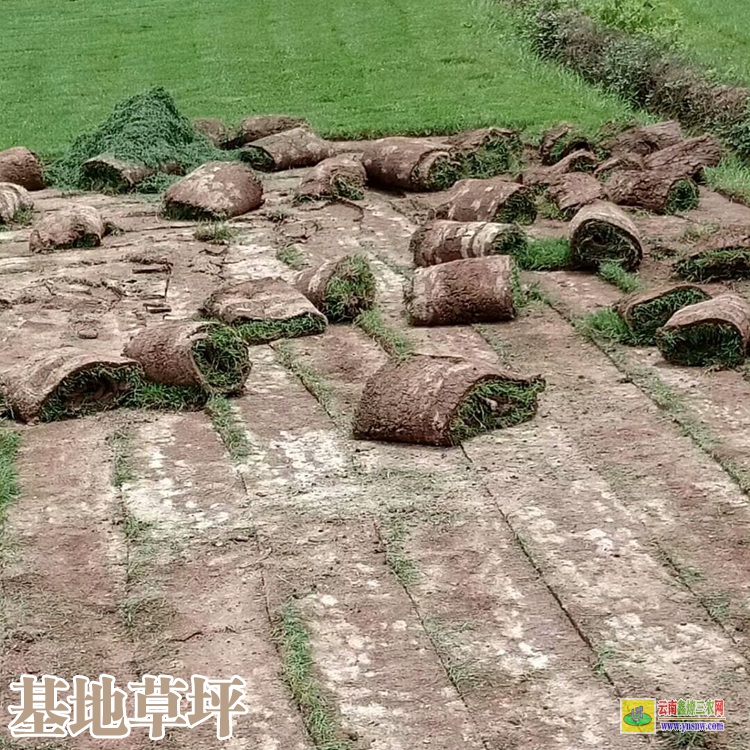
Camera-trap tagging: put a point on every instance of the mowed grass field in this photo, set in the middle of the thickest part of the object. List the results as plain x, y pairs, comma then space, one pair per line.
352, 68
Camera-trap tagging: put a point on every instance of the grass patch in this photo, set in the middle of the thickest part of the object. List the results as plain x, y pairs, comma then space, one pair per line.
159, 397
291, 256
463, 673
494, 405
519, 208
702, 345
298, 671
223, 360
24, 217
492, 158
604, 654
214, 232
604, 328
120, 447
683, 196
548, 209
613, 273
350, 290
146, 615
395, 532
543, 255
263, 331
229, 427
715, 265
393, 341
156, 184
9, 487
648, 317
684, 740
730, 178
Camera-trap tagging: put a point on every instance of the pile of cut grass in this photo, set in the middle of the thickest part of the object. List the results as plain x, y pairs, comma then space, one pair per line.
263, 331
542, 255
704, 345
493, 405
350, 291
715, 265
648, 317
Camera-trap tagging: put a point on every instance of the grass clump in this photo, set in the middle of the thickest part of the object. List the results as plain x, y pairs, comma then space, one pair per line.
648, 317
393, 341
519, 208
444, 172
494, 405
223, 360
9, 487
543, 255
604, 328
298, 671
702, 345
291, 256
145, 129
683, 196
263, 331
496, 156
350, 290
120, 446
214, 232
258, 158
229, 427
313, 381
395, 533
715, 265
150, 396
342, 188
613, 273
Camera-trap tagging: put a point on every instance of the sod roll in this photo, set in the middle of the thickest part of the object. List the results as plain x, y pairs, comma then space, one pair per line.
187, 353
341, 289
410, 164
714, 333
21, 167
723, 256
571, 192
442, 241
261, 126
689, 157
486, 152
264, 310
435, 400
341, 176
660, 191
561, 140
476, 290
71, 227
619, 163
602, 232
495, 200
110, 174
646, 312
577, 161
14, 201
68, 383
289, 149
645, 140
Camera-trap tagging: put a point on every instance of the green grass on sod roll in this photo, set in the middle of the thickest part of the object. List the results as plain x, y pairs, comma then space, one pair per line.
683, 196
223, 360
647, 318
489, 160
258, 158
715, 265
599, 242
519, 208
350, 290
702, 345
264, 331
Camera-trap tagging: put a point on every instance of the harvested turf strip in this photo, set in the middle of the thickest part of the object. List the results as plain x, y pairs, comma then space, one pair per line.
561, 140
264, 310
341, 176
544, 255
254, 128
76, 226
476, 290
146, 129
689, 157
340, 289
646, 312
620, 163
722, 256
653, 190
15, 201
714, 333
571, 192
290, 149
436, 400
647, 139
576, 161
442, 241
493, 200
68, 383
485, 153
602, 232
21, 167
186, 353
108, 174
410, 164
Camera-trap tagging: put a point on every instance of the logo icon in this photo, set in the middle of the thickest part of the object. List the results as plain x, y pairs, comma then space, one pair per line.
637, 715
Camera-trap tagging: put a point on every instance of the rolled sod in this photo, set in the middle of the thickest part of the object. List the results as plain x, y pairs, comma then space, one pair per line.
72, 227
659, 191
20, 166
486, 152
109, 174
69, 383
689, 157
207, 356
602, 232
254, 128
619, 163
723, 256
341, 176
414, 164
476, 290
561, 140
571, 192
436, 400
645, 140
646, 312
289, 149
340, 289
495, 200
714, 333
265, 310
442, 241
15, 202
577, 161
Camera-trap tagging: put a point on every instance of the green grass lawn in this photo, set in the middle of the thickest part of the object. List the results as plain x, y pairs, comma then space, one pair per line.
367, 67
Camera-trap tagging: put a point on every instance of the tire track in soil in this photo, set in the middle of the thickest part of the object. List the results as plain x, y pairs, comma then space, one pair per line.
65, 574
522, 655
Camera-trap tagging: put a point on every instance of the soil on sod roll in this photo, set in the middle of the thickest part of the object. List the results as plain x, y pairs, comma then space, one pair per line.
619, 163
108, 174
646, 140
341, 176
688, 157
436, 400
660, 191
76, 226
207, 356
21, 167
442, 241
577, 161
147, 129
646, 312
289, 149
494, 200
560, 141
254, 128
602, 232
723, 256
68, 383
486, 152
571, 192
714, 333
15, 203
476, 290
265, 310
410, 164
340, 289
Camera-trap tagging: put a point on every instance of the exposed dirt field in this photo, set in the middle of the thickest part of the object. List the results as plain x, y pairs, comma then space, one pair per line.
501, 595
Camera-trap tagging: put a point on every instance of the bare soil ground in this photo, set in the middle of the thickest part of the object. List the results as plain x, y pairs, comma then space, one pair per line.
501, 595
